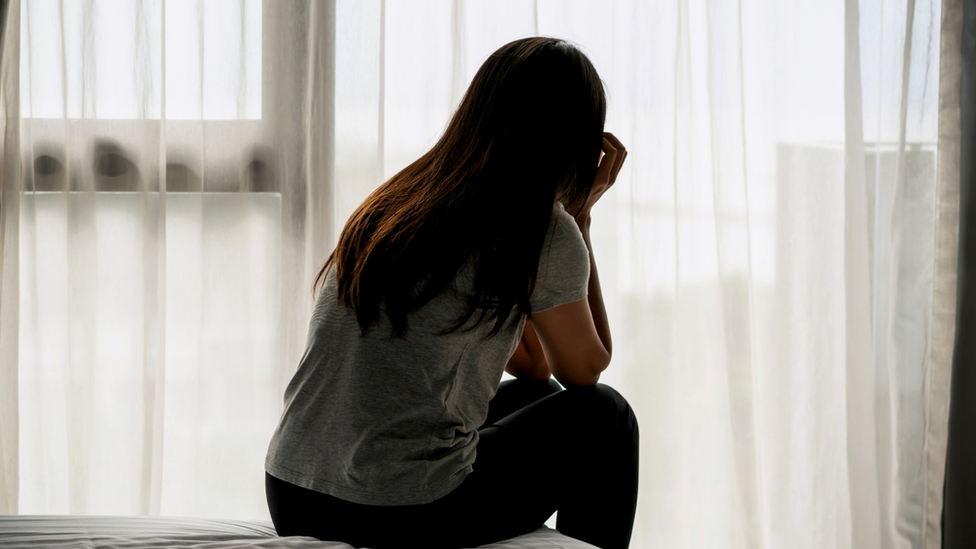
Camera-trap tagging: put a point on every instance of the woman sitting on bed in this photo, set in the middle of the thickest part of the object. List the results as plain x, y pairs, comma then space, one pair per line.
474, 259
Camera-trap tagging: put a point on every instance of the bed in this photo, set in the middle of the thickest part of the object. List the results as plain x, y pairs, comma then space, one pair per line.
97, 532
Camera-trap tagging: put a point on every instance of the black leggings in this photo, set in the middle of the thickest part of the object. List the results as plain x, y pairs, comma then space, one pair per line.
542, 449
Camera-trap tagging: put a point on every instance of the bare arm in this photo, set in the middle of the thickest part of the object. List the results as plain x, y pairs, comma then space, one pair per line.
576, 336
594, 292
529, 360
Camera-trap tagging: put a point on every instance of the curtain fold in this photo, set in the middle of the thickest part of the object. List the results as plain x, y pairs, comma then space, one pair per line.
9, 252
777, 255
947, 238
862, 421
959, 137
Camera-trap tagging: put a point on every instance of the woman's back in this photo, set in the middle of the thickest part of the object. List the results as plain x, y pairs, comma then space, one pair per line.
378, 420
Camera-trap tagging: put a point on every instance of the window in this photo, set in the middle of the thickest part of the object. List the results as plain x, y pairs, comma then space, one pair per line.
118, 96
207, 60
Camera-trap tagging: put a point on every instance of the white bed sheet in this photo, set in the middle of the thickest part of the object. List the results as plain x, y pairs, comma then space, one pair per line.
96, 532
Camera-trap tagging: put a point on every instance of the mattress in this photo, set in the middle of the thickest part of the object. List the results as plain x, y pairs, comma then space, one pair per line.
95, 532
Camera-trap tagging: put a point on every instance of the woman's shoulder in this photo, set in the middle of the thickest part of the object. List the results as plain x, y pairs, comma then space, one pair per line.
564, 266
563, 224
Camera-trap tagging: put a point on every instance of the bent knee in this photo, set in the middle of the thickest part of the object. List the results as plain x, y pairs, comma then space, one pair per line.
616, 408
624, 411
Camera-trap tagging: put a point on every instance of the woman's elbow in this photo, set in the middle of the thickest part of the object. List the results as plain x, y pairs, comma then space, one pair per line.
585, 372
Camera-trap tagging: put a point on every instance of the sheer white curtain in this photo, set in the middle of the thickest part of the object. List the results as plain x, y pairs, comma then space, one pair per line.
776, 255
159, 241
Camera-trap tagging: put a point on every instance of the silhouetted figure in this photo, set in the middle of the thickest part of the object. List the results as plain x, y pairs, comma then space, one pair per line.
473, 260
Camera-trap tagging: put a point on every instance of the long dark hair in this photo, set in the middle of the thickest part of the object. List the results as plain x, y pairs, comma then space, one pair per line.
527, 133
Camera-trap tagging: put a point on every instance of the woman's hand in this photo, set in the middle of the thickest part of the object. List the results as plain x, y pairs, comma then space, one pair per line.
614, 154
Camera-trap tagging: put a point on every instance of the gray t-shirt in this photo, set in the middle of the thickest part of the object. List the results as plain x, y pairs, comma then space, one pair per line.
377, 420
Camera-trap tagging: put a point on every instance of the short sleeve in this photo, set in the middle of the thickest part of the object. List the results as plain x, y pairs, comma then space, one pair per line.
564, 266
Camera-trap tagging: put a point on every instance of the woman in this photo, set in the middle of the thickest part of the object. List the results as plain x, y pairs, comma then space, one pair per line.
396, 432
